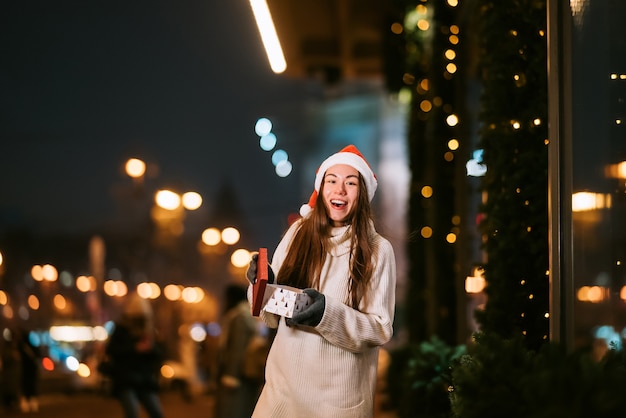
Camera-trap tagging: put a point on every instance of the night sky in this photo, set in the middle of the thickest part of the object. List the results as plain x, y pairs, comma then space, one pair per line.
179, 84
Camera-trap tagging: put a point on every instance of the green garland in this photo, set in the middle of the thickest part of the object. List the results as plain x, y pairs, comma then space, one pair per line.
514, 139
512, 69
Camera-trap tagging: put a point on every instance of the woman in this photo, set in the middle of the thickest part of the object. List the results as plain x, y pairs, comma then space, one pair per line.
323, 361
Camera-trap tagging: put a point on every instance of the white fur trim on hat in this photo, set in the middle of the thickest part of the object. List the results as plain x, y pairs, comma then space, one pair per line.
353, 160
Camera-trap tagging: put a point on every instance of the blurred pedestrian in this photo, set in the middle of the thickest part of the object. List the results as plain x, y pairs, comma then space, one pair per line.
323, 361
135, 358
237, 390
10, 365
30, 355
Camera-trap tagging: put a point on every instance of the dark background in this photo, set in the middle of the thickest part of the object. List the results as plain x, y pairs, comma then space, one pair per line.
87, 85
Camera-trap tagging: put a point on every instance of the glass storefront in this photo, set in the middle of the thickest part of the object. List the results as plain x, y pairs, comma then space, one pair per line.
587, 50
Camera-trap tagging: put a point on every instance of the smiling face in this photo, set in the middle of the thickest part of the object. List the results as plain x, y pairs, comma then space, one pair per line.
340, 191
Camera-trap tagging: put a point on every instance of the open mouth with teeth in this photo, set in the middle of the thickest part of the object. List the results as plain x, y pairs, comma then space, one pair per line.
338, 204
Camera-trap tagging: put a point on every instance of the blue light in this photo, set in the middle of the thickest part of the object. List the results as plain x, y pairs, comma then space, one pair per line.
268, 142
278, 156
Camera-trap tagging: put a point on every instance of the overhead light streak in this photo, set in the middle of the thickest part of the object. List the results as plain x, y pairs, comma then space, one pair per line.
271, 43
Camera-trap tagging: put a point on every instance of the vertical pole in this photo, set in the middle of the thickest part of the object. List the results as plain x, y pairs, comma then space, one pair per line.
560, 173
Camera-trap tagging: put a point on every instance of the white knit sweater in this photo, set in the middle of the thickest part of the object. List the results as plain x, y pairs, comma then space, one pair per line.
330, 370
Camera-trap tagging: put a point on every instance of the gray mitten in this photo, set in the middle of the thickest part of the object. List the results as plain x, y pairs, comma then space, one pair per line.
252, 267
312, 315
251, 271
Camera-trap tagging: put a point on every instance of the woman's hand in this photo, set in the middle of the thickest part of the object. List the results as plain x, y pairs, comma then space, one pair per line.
312, 315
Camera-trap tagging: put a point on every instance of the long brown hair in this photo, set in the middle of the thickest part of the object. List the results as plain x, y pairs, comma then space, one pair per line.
307, 253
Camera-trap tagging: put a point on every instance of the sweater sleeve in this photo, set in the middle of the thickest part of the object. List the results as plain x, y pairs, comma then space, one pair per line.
371, 325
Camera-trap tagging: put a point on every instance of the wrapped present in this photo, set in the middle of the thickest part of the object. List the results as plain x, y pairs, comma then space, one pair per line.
258, 289
285, 300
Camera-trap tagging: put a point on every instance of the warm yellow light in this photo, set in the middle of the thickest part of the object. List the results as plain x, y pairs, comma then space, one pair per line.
59, 302
450, 54
240, 258
83, 370
230, 235
115, 288
86, 283
269, 37
167, 199
4, 299
155, 290
49, 272
167, 371
452, 120
192, 200
616, 170
515, 124
33, 302
192, 294
144, 290
426, 232
586, 201
1, 259
451, 68
453, 39
426, 106
593, 294
148, 290
451, 238
135, 168
474, 284
211, 236
453, 3
453, 144
37, 272
423, 24
172, 292
427, 191
397, 28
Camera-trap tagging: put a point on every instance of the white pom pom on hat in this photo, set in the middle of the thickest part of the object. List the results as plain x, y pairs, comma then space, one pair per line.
351, 156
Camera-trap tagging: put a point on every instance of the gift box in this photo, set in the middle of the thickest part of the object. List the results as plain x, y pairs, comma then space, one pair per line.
285, 300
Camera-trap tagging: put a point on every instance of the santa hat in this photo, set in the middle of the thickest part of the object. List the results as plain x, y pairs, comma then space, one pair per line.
351, 156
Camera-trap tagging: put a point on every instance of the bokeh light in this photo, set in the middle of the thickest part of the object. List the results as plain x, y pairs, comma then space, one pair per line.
135, 168
211, 236
230, 235
240, 258
267, 142
172, 292
192, 200
263, 127
283, 168
167, 199
278, 156
197, 333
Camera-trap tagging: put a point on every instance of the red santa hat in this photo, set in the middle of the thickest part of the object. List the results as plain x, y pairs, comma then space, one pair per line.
351, 156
